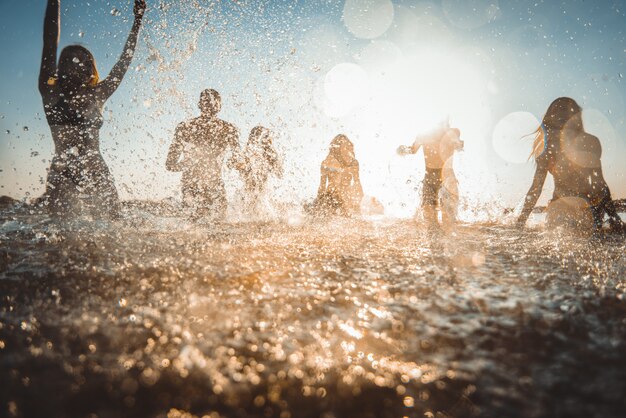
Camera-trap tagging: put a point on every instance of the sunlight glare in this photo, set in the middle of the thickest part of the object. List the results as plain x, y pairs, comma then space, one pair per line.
471, 14
512, 136
410, 95
368, 18
345, 87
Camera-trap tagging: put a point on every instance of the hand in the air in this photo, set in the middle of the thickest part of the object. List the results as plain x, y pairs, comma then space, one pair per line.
140, 8
403, 150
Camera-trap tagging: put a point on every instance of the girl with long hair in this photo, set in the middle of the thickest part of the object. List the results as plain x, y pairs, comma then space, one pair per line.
257, 161
563, 149
73, 97
340, 191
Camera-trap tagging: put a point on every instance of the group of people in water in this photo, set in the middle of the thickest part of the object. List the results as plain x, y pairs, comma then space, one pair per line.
198, 151
79, 180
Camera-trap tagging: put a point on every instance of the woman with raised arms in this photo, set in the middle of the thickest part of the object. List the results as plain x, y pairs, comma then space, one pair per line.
73, 97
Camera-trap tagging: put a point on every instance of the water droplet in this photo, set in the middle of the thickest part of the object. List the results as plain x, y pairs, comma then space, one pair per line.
75, 60
115, 12
81, 34
25, 128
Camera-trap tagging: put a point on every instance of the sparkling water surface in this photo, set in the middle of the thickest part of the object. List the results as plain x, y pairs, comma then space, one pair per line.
155, 315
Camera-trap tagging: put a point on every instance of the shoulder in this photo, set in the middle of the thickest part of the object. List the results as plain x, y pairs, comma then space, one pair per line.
329, 164
187, 127
591, 143
183, 125
429, 137
591, 139
189, 123
226, 126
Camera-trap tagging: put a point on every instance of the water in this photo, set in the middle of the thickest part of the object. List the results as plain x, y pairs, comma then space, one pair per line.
155, 315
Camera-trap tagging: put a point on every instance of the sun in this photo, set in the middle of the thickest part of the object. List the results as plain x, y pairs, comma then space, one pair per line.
400, 99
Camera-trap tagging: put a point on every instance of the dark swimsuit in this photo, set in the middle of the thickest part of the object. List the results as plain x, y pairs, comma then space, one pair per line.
598, 203
78, 174
430, 186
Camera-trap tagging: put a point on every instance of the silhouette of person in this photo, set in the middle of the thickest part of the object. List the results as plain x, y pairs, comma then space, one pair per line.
203, 142
256, 163
573, 157
340, 191
439, 147
73, 98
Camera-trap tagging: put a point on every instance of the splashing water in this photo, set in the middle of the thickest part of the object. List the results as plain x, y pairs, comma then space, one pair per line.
279, 315
154, 313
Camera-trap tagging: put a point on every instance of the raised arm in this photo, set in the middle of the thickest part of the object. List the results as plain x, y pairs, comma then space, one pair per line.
409, 149
173, 162
114, 79
51, 34
534, 192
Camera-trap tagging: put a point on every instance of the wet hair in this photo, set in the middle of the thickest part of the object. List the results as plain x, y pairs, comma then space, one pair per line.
211, 97
257, 134
66, 63
340, 140
336, 144
562, 114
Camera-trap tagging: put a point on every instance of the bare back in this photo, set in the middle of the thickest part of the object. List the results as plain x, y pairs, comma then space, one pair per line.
203, 143
439, 147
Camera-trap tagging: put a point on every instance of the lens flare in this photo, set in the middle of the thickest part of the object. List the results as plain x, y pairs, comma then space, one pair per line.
368, 18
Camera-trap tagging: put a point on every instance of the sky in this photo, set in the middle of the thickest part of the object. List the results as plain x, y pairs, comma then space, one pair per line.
379, 71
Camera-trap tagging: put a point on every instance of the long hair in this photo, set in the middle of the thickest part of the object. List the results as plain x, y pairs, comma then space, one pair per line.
260, 138
66, 60
540, 143
336, 144
563, 114
259, 135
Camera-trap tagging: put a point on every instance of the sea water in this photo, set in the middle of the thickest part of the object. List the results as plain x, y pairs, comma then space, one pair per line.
156, 315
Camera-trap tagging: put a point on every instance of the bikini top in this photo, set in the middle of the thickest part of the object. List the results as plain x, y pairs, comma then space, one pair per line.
86, 115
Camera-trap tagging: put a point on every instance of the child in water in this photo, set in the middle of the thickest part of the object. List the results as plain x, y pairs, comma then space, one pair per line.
340, 191
256, 163
439, 147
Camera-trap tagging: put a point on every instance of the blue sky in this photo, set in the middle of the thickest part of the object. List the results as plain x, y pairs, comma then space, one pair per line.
312, 69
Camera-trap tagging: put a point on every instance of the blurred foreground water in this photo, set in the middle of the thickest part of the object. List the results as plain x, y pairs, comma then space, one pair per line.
154, 315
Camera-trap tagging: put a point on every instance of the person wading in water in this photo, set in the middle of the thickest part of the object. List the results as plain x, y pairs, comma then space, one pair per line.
257, 161
439, 148
562, 148
202, 143
340, 191
73, 98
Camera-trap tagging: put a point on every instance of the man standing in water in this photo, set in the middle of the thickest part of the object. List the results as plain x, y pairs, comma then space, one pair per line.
439, 147
203, 142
